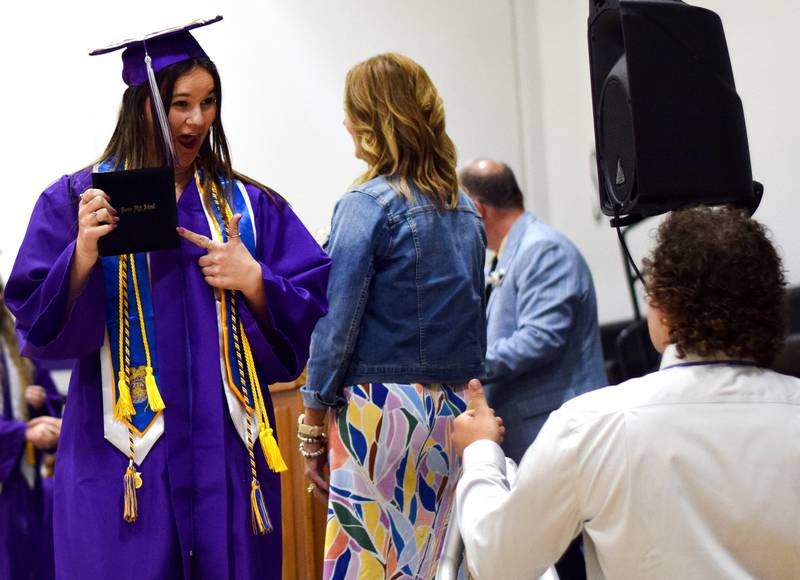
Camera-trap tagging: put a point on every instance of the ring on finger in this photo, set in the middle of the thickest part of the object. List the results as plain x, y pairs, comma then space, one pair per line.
236, 235
311, 487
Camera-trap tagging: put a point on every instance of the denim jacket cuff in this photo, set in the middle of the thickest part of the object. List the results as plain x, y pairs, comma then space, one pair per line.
311, 399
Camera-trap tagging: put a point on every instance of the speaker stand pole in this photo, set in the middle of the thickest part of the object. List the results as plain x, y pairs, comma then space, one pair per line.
623, 224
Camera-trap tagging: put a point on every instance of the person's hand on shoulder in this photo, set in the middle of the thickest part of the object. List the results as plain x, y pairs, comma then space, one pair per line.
478, 421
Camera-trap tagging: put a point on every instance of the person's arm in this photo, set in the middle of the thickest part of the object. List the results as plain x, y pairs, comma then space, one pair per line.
519, 531
58, 301
545, 309
359, 236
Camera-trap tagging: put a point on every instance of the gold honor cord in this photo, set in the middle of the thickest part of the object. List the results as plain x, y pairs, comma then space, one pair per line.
124, 408
244, 361
153, 395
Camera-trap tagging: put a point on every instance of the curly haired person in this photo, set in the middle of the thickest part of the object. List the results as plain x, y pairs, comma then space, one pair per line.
689, 472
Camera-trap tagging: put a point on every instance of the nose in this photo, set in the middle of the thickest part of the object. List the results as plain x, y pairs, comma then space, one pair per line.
194, 116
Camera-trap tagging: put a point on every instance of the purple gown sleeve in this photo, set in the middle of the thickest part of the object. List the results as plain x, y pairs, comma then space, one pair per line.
12, 442
38, 287
294, 270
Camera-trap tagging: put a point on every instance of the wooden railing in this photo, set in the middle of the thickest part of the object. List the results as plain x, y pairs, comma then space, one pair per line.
303, 516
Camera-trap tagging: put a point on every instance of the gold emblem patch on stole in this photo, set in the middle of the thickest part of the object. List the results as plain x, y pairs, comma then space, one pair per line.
138, 385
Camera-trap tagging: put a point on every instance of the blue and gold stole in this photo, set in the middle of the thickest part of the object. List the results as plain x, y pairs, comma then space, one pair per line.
132, 404
133, 407
240, 377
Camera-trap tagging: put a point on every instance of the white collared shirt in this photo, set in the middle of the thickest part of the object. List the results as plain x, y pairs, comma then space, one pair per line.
689, 472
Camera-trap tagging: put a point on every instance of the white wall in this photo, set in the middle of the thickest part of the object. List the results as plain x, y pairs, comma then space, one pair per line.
282, 66
513, 75
763, 45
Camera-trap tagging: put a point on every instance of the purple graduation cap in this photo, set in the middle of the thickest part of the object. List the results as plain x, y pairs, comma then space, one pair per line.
143, 57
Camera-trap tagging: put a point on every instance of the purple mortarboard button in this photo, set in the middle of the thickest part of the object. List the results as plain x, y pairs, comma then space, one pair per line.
165, 48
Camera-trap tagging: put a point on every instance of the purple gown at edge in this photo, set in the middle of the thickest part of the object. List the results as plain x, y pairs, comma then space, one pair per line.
25, 535
194, 507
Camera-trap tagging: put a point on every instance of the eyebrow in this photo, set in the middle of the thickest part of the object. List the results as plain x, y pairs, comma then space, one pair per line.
211, 92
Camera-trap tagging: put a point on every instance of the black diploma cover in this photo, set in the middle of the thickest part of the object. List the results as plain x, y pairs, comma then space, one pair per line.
147, 210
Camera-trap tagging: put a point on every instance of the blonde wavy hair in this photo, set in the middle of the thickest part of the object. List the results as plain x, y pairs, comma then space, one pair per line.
397, 116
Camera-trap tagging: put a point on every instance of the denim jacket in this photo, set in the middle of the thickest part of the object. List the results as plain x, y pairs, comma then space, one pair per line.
406, 294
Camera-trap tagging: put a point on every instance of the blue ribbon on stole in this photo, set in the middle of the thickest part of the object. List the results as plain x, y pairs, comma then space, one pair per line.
144, 417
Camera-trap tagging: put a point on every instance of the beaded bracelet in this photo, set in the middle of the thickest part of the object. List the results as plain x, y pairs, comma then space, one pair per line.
311, 454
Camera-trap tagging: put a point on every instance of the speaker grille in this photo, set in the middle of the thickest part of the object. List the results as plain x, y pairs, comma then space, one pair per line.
617, 140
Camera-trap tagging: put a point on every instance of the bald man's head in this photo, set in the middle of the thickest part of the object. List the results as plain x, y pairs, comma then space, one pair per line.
492, 183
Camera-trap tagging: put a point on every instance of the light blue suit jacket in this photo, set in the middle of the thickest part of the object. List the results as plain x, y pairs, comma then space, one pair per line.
543, 336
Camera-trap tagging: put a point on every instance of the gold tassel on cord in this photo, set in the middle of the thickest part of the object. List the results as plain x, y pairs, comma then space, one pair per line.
132, 482
260, 518
269, 445
266, 435
124, 409
153, 395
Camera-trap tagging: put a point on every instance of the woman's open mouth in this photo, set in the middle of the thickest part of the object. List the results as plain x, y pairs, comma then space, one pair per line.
188, 141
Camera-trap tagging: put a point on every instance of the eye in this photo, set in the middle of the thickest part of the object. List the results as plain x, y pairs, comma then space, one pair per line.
209, 102
180, 104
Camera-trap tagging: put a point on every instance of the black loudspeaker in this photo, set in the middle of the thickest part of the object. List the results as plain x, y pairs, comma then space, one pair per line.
669, 126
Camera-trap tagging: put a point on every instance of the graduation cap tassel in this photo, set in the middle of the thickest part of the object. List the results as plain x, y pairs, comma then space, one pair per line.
158, 105
153, 395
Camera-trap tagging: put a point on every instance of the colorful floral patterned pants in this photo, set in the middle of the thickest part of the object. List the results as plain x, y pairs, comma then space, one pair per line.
394, 470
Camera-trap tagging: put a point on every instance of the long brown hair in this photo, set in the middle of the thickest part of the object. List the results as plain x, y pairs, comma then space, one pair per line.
135, 143
8, 334
398, 119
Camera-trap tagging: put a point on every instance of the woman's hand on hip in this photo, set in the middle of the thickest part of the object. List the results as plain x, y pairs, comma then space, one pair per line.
228, 266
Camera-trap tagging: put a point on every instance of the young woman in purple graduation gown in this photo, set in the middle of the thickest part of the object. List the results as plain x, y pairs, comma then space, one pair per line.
189, 493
